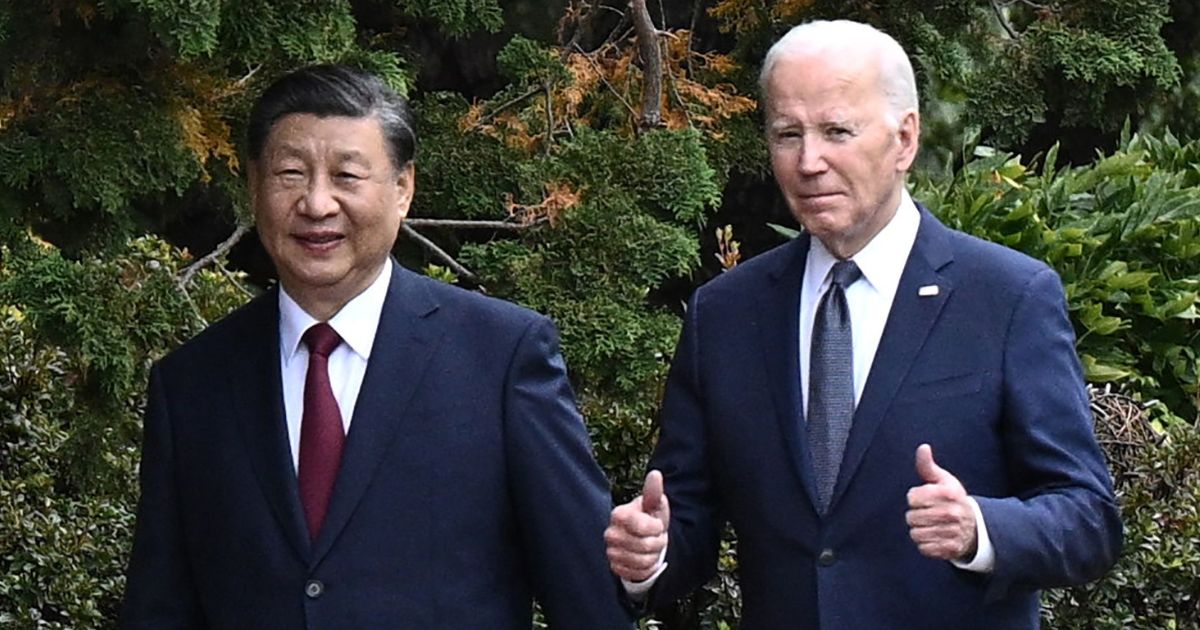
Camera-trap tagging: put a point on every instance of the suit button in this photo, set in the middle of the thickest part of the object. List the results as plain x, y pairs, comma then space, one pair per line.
826, 558
314, 589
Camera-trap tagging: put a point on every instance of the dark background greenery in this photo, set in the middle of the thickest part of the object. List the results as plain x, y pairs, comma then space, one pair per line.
1066, 129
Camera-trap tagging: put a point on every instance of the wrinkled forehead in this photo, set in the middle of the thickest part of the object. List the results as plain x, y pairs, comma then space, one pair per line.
819, 64
825, 75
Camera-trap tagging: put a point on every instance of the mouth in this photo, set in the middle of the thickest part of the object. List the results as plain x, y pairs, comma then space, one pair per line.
319, 241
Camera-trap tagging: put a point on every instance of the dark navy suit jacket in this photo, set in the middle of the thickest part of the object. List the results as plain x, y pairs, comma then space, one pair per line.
985, 371
467, 486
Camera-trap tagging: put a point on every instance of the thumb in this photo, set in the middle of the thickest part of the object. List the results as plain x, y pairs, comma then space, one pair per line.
927, 469
652, 492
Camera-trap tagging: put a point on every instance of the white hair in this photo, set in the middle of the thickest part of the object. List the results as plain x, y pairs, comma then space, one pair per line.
896, 80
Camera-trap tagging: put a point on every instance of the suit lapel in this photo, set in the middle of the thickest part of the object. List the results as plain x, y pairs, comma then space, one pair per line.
779, 306
909, 322
405, 341
258, 399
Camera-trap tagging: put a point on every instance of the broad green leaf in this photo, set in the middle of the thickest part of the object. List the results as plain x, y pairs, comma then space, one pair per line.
1131, 280
1178, 306
1097, 372
784, 231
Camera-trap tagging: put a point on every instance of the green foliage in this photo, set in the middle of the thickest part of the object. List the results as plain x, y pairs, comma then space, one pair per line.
1124, 235
1010, 69
123, 116
463, 175
109, 115
1080, 68
1157, 578
525, 61
189, 27
257, 31
457, 17
76, 339
595, 272
131, 150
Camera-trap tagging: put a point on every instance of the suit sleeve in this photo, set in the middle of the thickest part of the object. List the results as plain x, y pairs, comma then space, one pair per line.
561, 495
159, 591
682, 456
1061, 526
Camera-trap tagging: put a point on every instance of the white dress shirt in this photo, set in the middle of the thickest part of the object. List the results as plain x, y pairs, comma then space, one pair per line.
869, 299
870, 302
356, 323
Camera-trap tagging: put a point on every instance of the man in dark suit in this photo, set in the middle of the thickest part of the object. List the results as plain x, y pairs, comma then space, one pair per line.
890, 413
362, 447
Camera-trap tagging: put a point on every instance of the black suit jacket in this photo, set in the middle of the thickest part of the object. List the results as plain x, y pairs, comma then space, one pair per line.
467, 486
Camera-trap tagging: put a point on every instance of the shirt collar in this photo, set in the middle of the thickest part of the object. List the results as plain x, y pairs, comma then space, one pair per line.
876, 260
356, 323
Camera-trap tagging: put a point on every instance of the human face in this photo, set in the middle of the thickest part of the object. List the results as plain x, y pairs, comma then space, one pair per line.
328, 203
837, 154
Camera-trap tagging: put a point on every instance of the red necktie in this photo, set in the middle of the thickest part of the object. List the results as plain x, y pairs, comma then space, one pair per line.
321, 434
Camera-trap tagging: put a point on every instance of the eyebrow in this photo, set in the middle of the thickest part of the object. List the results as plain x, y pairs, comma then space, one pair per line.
345, 155
833, 121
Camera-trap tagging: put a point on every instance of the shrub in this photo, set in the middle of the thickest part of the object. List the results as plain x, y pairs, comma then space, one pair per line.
1156, 583
76, 340
1124, 235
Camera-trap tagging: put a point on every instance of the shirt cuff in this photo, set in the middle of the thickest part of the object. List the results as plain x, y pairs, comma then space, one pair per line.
985, 555
637, 590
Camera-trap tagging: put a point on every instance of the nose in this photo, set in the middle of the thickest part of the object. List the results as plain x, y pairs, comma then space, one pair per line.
811, 160
318, 201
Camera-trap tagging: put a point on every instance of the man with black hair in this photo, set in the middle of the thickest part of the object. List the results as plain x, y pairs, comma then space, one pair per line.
361, 446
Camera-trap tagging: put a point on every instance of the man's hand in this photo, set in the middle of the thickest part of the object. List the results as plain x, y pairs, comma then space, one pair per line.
940, 518
637, 532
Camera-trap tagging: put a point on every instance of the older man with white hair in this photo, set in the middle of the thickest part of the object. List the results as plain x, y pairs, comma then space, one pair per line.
890, 413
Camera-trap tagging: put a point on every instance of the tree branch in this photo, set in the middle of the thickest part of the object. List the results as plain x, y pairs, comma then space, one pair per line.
509, 103
549, 118
604, 80
648, 46
691, 72
586, 13
190, 271
438, 252
467, 224
1003, 20
613, 36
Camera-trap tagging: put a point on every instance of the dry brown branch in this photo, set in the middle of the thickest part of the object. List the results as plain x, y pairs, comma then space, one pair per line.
1122, 427
223, 248
648, 46
604, 80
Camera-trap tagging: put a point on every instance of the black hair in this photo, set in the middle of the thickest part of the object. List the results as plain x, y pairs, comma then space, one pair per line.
334, 90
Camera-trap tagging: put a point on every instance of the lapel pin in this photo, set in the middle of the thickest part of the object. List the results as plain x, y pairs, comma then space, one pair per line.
928, 290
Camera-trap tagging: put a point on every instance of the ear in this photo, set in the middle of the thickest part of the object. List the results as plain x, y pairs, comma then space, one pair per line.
909, 135
405, 182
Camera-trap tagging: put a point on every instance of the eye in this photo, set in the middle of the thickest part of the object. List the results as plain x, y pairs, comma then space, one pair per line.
348, 176
289, 172
839, 133
787, 136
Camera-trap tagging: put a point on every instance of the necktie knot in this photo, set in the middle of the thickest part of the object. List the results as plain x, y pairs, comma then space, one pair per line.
321, 339
844, 273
